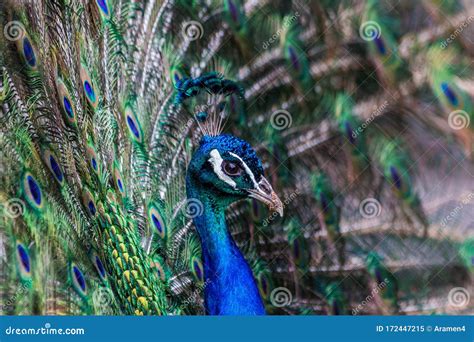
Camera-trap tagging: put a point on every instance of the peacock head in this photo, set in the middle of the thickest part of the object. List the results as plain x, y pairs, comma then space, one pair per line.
228, 168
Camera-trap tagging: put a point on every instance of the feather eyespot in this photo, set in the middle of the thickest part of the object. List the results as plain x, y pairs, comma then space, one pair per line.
32, 191
450, 94
103, 7
88, 87
156, 221
197, 269
27, 51
99, 266
89, 203
53, 165
159, 269
89, 91
133, 125
177, 74
380, 44
67, 107
92, 158
118, 183
66, 103
294, 58
396, 179
349, 132
234, 12
176, 77
23, 261
78, 280
263, 285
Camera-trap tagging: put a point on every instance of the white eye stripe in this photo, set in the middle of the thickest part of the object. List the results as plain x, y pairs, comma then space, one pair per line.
216, 162
247, 169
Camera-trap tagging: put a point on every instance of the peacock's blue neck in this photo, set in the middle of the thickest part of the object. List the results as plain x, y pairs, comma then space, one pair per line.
230, 286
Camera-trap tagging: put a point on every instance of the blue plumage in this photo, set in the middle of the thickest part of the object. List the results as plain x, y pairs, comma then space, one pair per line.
231, 288
156, 218
68, 107
34, 189
89, 91
99, 266
379, 43
23, 261
450, 94
28, 52
103, 6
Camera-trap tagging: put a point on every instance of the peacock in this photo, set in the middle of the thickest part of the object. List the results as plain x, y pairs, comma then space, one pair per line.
236, 157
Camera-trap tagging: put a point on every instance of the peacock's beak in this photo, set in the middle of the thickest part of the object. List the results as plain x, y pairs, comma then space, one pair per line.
264, 193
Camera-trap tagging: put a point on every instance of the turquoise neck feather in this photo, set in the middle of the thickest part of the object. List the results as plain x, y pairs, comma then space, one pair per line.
230, 286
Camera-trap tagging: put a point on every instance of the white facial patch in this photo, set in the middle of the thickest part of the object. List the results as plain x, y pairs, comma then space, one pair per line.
247, 170
216, 161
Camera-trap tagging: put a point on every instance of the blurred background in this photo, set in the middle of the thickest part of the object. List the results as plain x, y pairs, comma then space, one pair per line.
362, 111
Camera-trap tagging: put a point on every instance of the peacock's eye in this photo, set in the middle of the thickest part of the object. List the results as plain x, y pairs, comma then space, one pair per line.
231, 168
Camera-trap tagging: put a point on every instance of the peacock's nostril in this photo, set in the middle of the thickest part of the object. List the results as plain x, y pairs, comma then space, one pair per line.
265, 187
